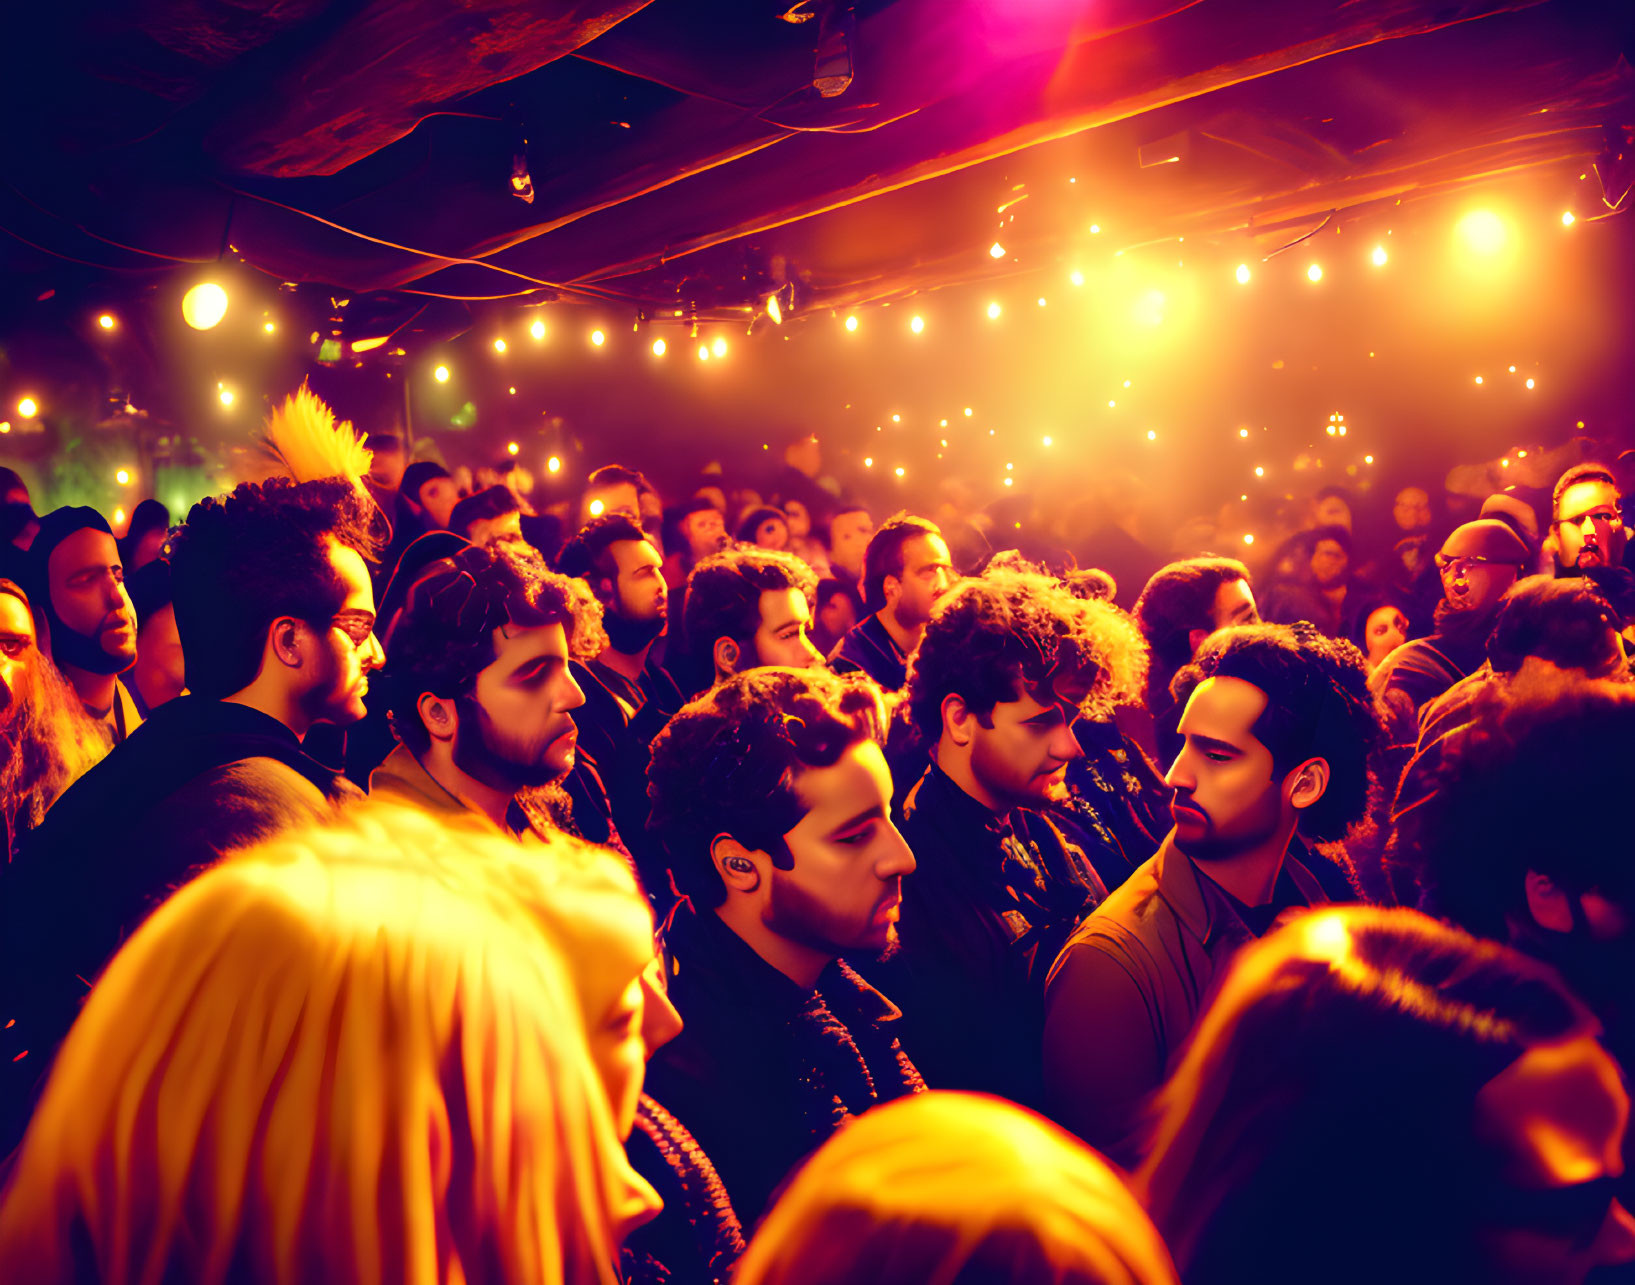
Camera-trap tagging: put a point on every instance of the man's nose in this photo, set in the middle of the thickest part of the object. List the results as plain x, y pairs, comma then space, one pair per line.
374, 655
899, 858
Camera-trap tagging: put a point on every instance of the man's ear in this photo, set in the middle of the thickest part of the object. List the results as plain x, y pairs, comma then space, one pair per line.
1547, 903
284, 637
891, 589
738, 866
1307, 783
957, 719
439, 715
725, 653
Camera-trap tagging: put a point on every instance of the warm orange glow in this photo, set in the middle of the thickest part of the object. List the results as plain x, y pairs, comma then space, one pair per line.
27, 407
5, 427
1368, 459
1041, 302
119, 517
1243, 274
1248, 539
917, 324
204, 305
851, 323
440, 374
554, 464
1483, 232
1568, 218
703, 352
659, 347
1243, 432
900, 470
1478, 379
513, 448
1314, 273
598, 338
1076, 277
1379, 256
595, 508
499, 345
1046, 440
719, 347
993, 312
106, 321
537, 330
1152, 435
996, 250
868, 461
227, 397
1260, 470
269, 326
1095, 229
969, 412
123, 477
1010, 481
369, 345
1529, 383
896, 419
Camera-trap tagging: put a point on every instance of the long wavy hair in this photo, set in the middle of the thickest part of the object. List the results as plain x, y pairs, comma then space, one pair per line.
350, 1054
47, 739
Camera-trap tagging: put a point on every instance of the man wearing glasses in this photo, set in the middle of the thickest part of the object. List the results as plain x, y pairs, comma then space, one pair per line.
1587, 526
276, 617
1478, 563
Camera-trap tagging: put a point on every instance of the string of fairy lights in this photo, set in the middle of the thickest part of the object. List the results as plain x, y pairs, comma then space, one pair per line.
206, 303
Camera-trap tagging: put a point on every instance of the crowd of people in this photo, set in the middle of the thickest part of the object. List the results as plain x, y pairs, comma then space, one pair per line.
408, 884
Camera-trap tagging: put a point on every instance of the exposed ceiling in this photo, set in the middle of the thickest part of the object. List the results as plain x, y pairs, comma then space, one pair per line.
682, 163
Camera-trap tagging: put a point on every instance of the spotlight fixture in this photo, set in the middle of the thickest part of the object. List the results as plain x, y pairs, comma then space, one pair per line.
204, 306
837, 35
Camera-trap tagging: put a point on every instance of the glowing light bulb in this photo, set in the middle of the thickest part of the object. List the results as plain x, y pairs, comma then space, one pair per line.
1010, 468
269, 326
774, 310
917, 324
868, 461
1010, 481
1568, 218
123, 477
499, 345
1512, 370
1379, 256
719, 347
513, 448
1152, 436
942, 423
598, 338
1529, 383
1046, 440
1478, 379
554, 464
896, 419
1248, 539
1095, 229
900, 470
1076, 277
703, 352
996, 250
1483, 232
106, 321
993, 312
1314, 273
851, 323
537, 330
226, 396
1126, 383
1243, 274
1111, 403
440, 374
1368, 459
204, 305
5, 426
1260, 470
969, 412
119, 517
1041, 303
1243, 432
659, 347
27, 407
596, 507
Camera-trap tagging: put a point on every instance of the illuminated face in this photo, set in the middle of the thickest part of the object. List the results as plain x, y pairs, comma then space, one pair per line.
1473, 584
844, 891
620, 1056
782, 638
1020, 753
704, 532
160, 670
1555, 1120
849, 540
1386, 630
652, 518
488, 532
642, 592
1412, 510
1589, 531
438, 497
88, 592
773, 533
1328, 563
1331, 510
1234, 605
516, 728
800, 521
17, 654
1227, 798
837, 614
347, 650
928, 571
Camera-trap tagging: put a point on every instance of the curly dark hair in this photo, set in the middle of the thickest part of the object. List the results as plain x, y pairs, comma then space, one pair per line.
1516, 791
587, 557
1317, 706
244, 559
729, 761
994, 636
444, 637
724, 593
1178, 599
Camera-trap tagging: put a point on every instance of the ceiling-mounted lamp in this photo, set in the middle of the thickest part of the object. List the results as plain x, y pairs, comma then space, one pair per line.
774, 309
837, 34
522, 183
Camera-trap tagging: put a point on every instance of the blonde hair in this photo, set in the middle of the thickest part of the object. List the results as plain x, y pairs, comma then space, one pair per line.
350, 1054
943, 1187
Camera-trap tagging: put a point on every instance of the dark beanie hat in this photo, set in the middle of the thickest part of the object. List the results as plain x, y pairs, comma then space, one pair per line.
417, 475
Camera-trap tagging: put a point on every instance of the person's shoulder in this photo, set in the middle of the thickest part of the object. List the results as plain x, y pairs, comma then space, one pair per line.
250, 799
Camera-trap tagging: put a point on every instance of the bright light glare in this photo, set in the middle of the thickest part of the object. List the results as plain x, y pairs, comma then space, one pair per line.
596, 507
204, 305
719, 347
1568, 218
123, 477
1248, 539
996, 250
1243, 274
659, 347
1483, 232
27, 407
106, 321
1379, 256
1076, 277
598, 338
1529, 383
774, 310
1047, 440
703, 352
513, 448
993, 312
1243, 432
119, 517
900, 470
269, 326
917, 324
227, 397
1260, 470
554, 464
1152, 436
868, 461
440, 374
499, 345
851, 323
1478, 379
969, 412
537, 330
1315, 272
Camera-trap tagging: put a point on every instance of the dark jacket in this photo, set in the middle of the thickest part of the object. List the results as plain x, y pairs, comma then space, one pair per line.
697, 1237
1117, 807
989, 904
763, 1071
198, 778
1415, 674
1125, 991
870, 649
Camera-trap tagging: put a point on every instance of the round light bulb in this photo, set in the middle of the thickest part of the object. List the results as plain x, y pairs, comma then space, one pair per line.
204, 305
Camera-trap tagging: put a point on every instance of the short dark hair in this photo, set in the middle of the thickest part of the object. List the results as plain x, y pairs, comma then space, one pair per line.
884, 556
1586, 472
1178, 599
149, 590
1334, 532
1566, 622
417, 475
444, 636
617, 475
724, 593
588, 556
694, 504
244, 559
728, 763
489, 503
1516, 792
995, 635
752, 520
1317, 706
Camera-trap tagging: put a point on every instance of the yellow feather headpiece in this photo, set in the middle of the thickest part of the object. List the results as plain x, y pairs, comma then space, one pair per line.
304, 438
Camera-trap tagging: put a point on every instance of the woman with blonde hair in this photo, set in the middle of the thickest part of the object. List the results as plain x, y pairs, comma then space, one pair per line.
347, 1055
955, 1189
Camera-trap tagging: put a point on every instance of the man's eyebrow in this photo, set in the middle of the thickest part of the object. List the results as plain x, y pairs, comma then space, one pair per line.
1210, 743
867, 814
531, 667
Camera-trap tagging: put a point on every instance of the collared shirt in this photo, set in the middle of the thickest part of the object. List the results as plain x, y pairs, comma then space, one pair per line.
983, 915
1127, 988
869, 648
